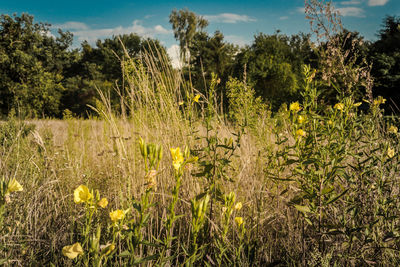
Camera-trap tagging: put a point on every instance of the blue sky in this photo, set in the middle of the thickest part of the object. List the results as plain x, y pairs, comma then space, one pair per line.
239, 21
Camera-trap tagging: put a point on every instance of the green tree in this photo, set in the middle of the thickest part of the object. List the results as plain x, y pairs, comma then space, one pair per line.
211, 54
385, 56
273, 64
100, 67
31, 66
185, 25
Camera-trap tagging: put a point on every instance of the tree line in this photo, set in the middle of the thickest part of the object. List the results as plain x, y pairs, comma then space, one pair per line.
43, 76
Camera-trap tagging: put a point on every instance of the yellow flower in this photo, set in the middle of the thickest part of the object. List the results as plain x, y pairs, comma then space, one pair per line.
196, 98
300, 133
82, 194
103, 202
13, 186
379, 100
72, 251
177, 158
180, 103
239, 221
107, 249
295, 107
392, 129
390, 152
330, 122
300, 119
339, 106
238, 206
117, 215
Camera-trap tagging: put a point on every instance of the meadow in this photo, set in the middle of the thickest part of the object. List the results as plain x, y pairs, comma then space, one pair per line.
171, 180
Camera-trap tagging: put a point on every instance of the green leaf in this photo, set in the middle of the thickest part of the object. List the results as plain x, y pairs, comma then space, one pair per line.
334, 198
124, 253
303, 209
308, 221
148, 258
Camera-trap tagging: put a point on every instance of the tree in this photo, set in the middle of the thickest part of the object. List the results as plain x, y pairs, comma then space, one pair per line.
31, 64
211, 55
100, 67
385, 56
185, 25
273, 64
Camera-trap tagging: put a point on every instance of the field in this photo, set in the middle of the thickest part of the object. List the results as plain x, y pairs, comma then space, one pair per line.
171, 180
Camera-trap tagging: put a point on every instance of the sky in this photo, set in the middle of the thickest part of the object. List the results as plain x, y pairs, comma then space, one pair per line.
239, 21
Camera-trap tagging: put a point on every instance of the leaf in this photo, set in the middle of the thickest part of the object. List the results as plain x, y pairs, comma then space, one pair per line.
308, 221
124, 253
148, 258
303, 209
334, 198
283, 192
291, 161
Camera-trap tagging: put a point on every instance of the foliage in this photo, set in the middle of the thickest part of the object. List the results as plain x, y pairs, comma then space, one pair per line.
273, 66
31, 66
385, 57
244, 108
185, 25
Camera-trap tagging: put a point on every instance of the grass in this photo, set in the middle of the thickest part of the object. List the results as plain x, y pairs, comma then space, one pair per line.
324, 195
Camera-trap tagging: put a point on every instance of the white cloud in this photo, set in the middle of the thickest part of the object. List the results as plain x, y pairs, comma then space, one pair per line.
48, 34
283, 18
173, 52
351, 12
301, 9
351, 2
237, 40
91, 35
229, 18
161, 30
377, 2
344, 11
71, 25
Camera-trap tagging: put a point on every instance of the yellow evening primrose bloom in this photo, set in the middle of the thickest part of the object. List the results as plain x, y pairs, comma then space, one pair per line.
238, 206
339, 106
13, 186
300, 133
82, 194
295, 107
177, 158
72, 251
379, 100
300, 119
117, 215
239, 221
392, 129
390, 152
103, 202
196, 98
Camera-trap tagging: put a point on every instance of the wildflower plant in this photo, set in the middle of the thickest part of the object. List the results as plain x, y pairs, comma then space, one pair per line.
327, 164
7, 187
90, 233
133, 230
179, 161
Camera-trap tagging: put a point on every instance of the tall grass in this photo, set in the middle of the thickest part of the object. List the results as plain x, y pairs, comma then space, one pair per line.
254, 190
